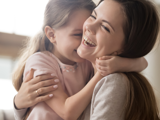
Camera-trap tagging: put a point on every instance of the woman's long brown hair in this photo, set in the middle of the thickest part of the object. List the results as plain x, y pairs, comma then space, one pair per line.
141, 29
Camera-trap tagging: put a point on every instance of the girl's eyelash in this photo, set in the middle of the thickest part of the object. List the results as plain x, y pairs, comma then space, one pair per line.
78, 34
93, 16
106, 28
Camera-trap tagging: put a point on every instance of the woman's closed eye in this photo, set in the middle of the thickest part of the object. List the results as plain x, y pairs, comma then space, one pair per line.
106, 28
93, 16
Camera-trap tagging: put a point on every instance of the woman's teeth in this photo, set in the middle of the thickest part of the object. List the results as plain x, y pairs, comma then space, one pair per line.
89, 43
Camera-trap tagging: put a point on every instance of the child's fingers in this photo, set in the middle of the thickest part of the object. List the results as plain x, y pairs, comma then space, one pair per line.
105, 57
101, 67
101, 62
103, 73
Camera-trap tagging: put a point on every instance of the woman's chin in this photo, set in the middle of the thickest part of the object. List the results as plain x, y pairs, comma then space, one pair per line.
84, 55
81, 53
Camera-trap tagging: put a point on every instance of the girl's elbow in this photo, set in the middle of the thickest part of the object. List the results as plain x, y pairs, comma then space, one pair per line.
146, 63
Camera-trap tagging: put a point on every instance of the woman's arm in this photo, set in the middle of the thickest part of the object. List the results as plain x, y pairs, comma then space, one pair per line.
111, 64
70, 108
27, 97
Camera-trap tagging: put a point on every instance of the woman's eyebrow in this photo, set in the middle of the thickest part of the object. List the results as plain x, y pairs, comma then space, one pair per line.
104, 20
95, 12
109, 24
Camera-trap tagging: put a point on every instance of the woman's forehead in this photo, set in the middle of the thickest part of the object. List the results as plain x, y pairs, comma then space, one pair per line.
111, 11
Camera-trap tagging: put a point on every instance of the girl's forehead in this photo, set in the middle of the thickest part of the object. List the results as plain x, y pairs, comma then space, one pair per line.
77, 18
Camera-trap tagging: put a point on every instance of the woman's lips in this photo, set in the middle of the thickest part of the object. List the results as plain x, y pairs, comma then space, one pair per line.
88, 43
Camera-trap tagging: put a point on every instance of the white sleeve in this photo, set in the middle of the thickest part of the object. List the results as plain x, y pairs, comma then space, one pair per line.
18, 114
108, 100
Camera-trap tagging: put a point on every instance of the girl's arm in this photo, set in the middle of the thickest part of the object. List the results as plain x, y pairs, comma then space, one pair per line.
111, 64
70, 108
26, 96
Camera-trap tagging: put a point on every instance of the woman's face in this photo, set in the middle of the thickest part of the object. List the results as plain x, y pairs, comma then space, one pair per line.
103, 31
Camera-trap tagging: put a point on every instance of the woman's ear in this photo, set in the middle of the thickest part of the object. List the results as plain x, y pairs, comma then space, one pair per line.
50, 33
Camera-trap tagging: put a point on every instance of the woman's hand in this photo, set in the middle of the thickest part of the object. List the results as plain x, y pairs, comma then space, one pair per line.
34, 90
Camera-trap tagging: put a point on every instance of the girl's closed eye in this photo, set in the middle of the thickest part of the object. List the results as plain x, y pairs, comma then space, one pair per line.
79, 34
104, 27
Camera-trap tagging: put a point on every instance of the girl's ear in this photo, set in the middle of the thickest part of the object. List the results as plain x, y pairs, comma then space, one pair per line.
50, 33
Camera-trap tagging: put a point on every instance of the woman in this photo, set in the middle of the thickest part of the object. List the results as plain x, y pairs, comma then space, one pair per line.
134, 26
116, 28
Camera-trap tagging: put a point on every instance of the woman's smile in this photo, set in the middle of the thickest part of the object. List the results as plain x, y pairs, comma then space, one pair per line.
102, 32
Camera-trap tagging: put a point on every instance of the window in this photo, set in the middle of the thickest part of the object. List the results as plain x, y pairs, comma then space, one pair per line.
22, 17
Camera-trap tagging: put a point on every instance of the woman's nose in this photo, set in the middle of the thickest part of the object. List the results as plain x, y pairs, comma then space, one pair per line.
90, 28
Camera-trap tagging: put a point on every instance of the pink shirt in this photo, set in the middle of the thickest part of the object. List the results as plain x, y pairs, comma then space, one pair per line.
73, 79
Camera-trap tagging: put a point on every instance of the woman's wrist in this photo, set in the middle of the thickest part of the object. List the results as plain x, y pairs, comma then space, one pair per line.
15, 103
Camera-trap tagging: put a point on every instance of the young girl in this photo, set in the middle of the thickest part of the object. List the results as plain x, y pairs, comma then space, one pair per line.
54, 51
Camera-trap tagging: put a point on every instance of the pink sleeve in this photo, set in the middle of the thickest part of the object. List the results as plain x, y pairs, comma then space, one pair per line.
42, 64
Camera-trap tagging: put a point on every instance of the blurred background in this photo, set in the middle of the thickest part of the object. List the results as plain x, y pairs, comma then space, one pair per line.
20, 19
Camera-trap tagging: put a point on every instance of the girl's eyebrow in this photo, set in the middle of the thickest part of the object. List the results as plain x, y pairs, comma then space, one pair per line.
105, 21
77, 30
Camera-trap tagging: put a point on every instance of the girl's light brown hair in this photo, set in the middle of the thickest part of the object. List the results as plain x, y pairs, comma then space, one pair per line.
141, 27
56, 15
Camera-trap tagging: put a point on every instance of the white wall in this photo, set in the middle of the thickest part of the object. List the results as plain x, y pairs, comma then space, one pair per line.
153, 71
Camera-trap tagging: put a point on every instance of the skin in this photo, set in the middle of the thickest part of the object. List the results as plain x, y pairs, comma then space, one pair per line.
99, 32
105, 29
108, 39
67, 39
27, 95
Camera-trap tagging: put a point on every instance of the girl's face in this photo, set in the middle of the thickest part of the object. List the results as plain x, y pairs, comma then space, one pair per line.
68, 38
103, 32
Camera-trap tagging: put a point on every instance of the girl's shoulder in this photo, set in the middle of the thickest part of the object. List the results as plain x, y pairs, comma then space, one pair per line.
86, 65
42, 59
42, 56
42, 63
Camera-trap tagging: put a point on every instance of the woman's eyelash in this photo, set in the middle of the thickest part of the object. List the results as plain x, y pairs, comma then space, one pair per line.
93, 16
102, 25
106, 28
